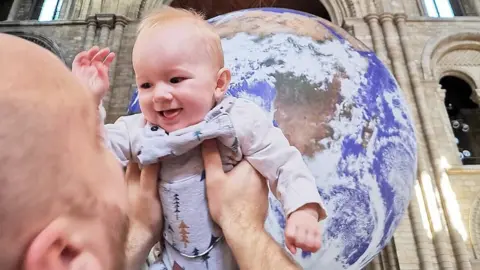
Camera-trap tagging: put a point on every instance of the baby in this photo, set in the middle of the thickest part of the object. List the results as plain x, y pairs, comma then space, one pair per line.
182, 82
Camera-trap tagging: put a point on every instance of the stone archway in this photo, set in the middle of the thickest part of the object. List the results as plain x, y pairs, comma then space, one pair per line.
41, 41
218, 7
451, 52
337, 10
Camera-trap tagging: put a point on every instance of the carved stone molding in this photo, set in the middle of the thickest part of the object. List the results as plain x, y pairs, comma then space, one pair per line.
104, 20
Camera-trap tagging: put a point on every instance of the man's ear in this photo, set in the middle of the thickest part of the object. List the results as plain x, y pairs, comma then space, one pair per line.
55, 248
223, 81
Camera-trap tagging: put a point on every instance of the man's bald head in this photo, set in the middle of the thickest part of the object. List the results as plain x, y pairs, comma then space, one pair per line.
52, 162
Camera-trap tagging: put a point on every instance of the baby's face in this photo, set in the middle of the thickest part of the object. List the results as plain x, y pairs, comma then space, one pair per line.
175, 75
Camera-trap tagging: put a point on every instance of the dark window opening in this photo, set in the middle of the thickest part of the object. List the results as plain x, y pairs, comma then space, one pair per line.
464, 115
217, 7
5, 7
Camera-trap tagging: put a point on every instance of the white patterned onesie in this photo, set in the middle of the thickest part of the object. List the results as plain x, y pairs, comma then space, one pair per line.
192, 240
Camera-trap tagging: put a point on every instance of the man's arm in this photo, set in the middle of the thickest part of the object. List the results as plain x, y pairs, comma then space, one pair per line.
255, 249
238, 203
145, 214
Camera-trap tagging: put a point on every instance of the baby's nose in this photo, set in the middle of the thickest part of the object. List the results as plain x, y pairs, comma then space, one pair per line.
162, 94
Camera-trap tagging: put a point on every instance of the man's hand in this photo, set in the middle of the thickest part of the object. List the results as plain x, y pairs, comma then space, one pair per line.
91, 67
239, 196
238, 202
145, 213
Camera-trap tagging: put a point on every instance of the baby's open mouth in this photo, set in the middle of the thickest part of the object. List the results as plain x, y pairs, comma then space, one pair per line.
170, 114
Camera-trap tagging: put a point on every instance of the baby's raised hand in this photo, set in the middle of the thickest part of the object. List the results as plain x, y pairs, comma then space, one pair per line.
91, 67
302, 230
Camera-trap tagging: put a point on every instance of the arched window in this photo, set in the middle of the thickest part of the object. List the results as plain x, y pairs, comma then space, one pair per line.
218, 7
39, 40
46, 10
464, 115
444, 8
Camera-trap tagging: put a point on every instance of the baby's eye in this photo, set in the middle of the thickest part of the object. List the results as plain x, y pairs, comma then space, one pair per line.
145, 85
177, 79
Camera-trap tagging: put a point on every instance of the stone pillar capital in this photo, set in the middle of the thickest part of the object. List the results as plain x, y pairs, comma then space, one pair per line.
91, 20
441, 92
105, 20
386, 17
371, 17
477, 91
121, 20
400, 17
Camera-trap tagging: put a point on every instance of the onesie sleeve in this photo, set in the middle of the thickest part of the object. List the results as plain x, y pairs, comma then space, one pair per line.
268, 150
118, 136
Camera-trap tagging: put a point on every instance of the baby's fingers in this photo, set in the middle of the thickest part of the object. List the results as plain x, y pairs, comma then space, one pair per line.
290, 243
309, 239
109, 59
101, 55
290, 237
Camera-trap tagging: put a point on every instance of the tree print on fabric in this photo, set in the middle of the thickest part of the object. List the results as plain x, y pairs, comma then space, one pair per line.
184, 233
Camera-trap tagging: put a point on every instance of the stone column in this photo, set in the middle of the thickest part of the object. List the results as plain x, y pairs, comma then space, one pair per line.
476, 7
64, 10
423, 244
105, 22
120, 23
90, 35
391, 255
375, 264
477, 91
14, 10
441, 177
442, 112
377, 38
440, 238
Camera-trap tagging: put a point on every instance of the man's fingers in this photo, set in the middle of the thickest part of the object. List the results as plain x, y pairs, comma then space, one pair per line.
211, 160
100, 56
133, 172
149, 178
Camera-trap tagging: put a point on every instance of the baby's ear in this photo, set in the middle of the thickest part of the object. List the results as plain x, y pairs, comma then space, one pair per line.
223, 81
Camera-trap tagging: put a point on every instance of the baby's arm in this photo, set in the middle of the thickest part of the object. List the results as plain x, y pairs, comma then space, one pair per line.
269, 151
118, 137
91, 68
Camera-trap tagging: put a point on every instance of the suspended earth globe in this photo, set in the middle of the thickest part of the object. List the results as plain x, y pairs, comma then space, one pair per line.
342, 108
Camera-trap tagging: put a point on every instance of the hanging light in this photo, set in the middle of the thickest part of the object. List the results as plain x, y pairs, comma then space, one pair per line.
460, 154
450, 107
455, 124
465, 128
466, 153
456, 140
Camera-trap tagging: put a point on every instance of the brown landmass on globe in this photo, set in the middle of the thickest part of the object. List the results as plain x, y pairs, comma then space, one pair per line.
264, 23
303, 112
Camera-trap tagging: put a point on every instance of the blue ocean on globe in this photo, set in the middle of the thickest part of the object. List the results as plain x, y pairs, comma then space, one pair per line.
342, 108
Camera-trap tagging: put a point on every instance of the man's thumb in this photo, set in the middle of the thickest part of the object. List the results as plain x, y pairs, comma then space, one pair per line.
211, 160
